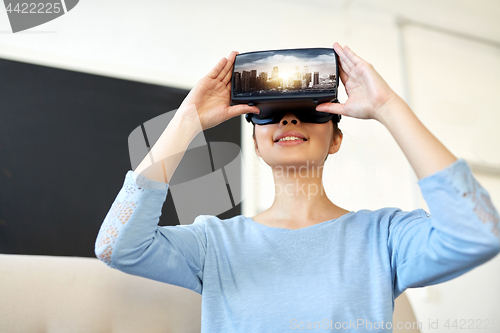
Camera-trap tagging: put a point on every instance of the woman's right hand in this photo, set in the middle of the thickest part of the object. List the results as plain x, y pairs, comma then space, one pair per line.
208, 102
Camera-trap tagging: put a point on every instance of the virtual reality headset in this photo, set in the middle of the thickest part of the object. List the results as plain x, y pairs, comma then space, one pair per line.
283, 81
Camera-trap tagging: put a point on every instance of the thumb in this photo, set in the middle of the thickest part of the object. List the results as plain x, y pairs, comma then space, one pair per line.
337, 108
240, 109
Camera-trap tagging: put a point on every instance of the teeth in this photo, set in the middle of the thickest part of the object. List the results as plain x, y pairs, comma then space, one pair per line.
289, 138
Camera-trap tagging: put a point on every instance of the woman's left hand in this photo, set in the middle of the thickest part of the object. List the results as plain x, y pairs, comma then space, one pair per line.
368, 93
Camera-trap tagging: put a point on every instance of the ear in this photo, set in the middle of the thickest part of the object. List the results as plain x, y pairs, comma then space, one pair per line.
336, 142
256, 147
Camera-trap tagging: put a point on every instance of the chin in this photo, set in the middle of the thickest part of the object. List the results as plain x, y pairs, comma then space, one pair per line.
290, 161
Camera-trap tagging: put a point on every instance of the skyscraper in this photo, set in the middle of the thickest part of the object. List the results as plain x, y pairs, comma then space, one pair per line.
245, 81
274, 74
308, 79
237, 82
253, 79
316, 78
262, 81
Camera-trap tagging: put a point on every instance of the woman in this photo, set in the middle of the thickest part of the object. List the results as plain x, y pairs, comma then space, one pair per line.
305, 262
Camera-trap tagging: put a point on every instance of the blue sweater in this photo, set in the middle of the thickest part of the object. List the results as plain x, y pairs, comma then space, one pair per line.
342, 273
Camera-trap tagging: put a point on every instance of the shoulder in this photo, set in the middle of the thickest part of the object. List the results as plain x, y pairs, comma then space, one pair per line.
386, 225
212, 221
207, 227
234, 230
389, 216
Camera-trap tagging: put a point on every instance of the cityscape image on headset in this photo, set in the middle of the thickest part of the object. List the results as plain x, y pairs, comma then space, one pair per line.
285, 72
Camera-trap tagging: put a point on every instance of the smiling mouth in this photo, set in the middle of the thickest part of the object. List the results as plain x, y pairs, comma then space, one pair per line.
290, 143
290, 139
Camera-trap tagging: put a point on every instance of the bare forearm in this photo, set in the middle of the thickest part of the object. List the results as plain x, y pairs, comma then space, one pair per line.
426, 154
164, 157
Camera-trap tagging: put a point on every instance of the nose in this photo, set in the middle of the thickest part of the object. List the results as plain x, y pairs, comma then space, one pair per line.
289, 117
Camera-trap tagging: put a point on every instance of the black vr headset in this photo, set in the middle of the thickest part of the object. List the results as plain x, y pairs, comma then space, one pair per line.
283, 81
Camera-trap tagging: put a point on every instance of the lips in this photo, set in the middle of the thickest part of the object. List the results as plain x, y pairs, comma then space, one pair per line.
290, 133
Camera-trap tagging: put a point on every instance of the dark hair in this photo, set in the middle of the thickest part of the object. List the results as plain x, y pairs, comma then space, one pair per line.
336, 130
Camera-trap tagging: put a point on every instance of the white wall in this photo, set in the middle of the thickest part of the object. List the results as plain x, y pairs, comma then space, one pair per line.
451, 83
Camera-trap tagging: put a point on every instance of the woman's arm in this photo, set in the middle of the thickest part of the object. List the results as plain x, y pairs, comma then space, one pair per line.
206, 106
462, 230
129, 238
371, 98
424, 151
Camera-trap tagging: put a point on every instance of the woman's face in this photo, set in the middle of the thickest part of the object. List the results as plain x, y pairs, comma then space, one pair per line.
319, 142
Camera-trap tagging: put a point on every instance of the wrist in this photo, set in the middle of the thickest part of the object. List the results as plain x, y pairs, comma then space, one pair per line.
387, 110
188, 120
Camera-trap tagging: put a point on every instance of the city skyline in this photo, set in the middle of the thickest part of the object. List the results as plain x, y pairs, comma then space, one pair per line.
250, 82
284, 71
316, 60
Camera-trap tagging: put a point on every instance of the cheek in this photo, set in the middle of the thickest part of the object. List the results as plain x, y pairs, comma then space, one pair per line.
264, 134
322, 133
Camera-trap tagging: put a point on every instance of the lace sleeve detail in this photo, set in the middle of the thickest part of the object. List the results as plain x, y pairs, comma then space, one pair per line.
121, 210
468, 187
460, 233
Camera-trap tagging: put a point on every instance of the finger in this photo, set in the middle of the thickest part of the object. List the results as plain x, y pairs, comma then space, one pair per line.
352, 56
229, 74
240, 109
344, 66
228, 77
228, 68
348, 71
337, 108
343, 76
214, 72
343, 58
